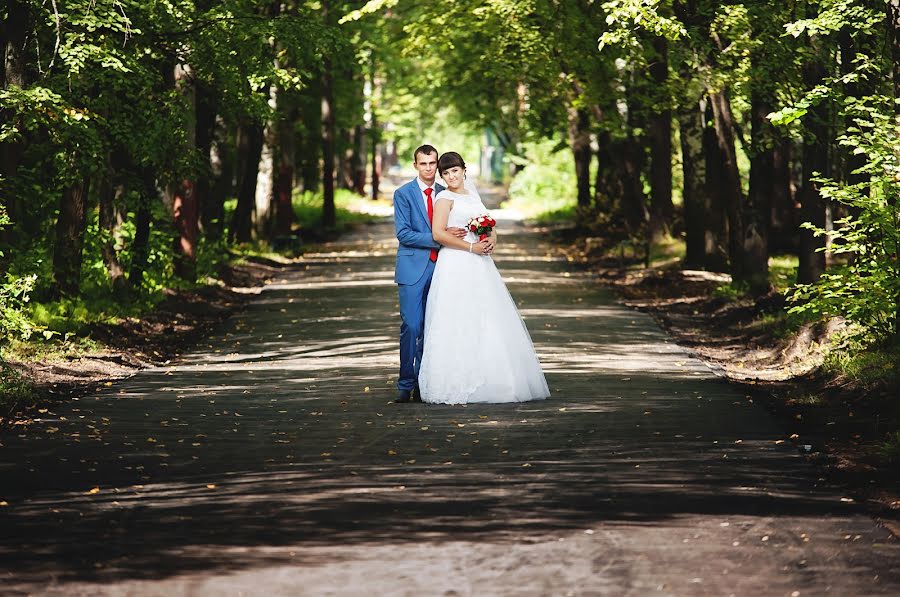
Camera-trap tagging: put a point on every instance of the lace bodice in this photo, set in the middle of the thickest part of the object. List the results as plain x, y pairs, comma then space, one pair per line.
464, 207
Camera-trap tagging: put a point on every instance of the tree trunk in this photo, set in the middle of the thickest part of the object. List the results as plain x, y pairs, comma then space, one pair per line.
815, 163
374, 137
757, 209
265, 175
185, 211
608, 189
250, 144
342, 158
329, 216
309, 142
893, 22
208, 205
359, 160
782, 219
70, 227
376, 165
110, 193
284, 182
715, 243
222, 170
694, 191
731, 182
660, 136
628, 156
140, 248
580, 142
13, 37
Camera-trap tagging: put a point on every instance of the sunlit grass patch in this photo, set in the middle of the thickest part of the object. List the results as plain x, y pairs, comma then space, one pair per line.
806, 399
15, 392
544, 190
308, 209
783, 271
866, 366
666, 250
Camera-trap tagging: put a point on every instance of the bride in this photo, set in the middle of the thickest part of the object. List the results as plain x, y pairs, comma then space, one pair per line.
477, 348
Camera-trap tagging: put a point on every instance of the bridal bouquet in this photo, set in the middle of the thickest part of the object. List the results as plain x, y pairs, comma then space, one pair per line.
482, 225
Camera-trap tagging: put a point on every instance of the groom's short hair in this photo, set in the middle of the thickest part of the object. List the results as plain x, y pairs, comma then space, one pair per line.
424, 150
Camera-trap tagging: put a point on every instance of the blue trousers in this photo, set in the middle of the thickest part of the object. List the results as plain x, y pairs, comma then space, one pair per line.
412, 316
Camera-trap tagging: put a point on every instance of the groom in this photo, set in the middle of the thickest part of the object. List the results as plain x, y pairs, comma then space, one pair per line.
416, 256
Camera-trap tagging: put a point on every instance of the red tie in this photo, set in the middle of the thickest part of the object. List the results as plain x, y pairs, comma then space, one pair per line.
428, 192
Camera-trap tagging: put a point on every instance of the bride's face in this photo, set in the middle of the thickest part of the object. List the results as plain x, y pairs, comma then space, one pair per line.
454, 176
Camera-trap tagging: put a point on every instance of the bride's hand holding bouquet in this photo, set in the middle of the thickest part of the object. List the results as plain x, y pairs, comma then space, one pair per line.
482, 225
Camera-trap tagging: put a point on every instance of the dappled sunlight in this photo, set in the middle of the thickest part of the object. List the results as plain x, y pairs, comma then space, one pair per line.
277, 441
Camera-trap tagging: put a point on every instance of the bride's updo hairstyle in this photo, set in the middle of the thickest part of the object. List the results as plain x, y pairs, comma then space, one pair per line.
451, 159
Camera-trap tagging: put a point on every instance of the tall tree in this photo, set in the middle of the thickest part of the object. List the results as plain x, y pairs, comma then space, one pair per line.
660, 137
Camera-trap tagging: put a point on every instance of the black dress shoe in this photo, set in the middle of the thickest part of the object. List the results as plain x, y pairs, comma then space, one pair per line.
416, 394
404, 396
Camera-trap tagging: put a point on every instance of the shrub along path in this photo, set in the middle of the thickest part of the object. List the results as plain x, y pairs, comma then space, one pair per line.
271, 460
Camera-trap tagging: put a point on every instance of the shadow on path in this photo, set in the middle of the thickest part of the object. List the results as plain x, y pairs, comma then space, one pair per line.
272, 458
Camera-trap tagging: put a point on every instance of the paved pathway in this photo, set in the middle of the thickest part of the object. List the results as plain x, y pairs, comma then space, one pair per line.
271, 461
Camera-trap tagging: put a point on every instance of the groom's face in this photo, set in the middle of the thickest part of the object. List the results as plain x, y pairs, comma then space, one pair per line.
426, 166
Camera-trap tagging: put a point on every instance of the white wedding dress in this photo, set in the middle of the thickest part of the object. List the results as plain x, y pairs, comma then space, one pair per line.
477, 348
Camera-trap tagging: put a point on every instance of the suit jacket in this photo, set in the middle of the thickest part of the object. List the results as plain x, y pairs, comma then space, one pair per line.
413, 232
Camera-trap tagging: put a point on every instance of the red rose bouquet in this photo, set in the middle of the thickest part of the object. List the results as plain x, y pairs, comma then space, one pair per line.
482, 225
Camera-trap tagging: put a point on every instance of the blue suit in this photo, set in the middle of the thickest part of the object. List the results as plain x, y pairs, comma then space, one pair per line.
412, 275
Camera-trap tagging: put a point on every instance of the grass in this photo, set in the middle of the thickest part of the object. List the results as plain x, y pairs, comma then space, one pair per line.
868, 366
783, 271
554, 215
348, 210
889, 450
60, 327
666, 250
15, 392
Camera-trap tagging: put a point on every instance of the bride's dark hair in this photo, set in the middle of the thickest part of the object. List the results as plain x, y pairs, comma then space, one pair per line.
451, 159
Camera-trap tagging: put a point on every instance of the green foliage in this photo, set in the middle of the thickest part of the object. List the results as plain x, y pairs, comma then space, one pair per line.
308, 210
866, 289
730, 291
866, 366
14, 293
15, 392
782, 271
546, 183
890, 448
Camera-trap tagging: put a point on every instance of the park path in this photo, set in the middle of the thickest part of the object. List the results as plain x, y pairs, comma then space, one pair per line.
270, 460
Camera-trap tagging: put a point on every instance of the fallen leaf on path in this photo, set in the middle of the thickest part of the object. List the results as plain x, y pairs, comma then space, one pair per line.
210, 485
93, 490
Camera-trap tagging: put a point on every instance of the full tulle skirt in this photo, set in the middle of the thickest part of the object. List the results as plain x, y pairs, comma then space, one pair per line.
477, 348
